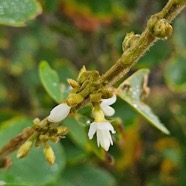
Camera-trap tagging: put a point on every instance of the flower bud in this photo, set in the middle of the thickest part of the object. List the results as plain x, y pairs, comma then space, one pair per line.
95, 97
49, 154
83, 69
94, 75
59, 113
61, 130
129, 39
72, 83
24, 149
159, 27
83, 77
106, 94
54, 139
74, 99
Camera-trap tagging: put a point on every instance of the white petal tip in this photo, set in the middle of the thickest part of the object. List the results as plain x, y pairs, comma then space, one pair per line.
59, 113
108, 111
109, 101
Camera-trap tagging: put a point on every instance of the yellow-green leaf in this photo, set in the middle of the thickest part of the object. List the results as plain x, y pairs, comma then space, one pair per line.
131, 91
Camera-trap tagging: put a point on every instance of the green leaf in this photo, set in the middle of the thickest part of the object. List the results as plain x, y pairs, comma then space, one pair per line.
131, 91
175, 73
179, 35
77, 132
51, 81
74, 154
17, 12
86, 176
33, 169
130, 115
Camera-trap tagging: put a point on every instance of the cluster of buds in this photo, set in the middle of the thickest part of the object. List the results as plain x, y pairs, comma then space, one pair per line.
100, 126
88, 87
43, 132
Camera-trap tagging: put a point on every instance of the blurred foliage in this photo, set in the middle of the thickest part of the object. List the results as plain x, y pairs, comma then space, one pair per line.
16, 13
69, 34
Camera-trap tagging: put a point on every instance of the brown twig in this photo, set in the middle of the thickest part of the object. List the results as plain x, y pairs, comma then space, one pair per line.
16, 142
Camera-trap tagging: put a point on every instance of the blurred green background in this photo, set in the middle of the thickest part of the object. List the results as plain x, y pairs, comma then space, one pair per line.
70, 34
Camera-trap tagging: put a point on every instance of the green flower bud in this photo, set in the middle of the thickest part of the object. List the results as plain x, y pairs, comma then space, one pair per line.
129, 39
83, 69
94, 75
74, 99
159, 27
44, 137
95, 97
106, 94
54, 139
84, 76
61, 130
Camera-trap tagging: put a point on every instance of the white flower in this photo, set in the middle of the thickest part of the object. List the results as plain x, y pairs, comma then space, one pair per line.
108, 111
59, 113
102, 129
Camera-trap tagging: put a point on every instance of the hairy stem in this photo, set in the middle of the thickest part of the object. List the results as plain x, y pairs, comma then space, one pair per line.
144, 42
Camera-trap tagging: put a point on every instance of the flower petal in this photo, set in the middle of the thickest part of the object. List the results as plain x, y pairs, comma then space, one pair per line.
103, 138
108, 126
92, 130
102, 130
108, 111
59, 113
109, 101
111, 128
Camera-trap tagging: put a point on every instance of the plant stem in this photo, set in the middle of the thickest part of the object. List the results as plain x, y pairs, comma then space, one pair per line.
144, 42
16, 142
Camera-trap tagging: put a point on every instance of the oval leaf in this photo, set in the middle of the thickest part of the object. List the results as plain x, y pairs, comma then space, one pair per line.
86, 175
51, 82
77, 132
16, 12
131, 91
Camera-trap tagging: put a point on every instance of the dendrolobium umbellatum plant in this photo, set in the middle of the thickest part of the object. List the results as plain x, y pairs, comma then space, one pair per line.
97, 91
